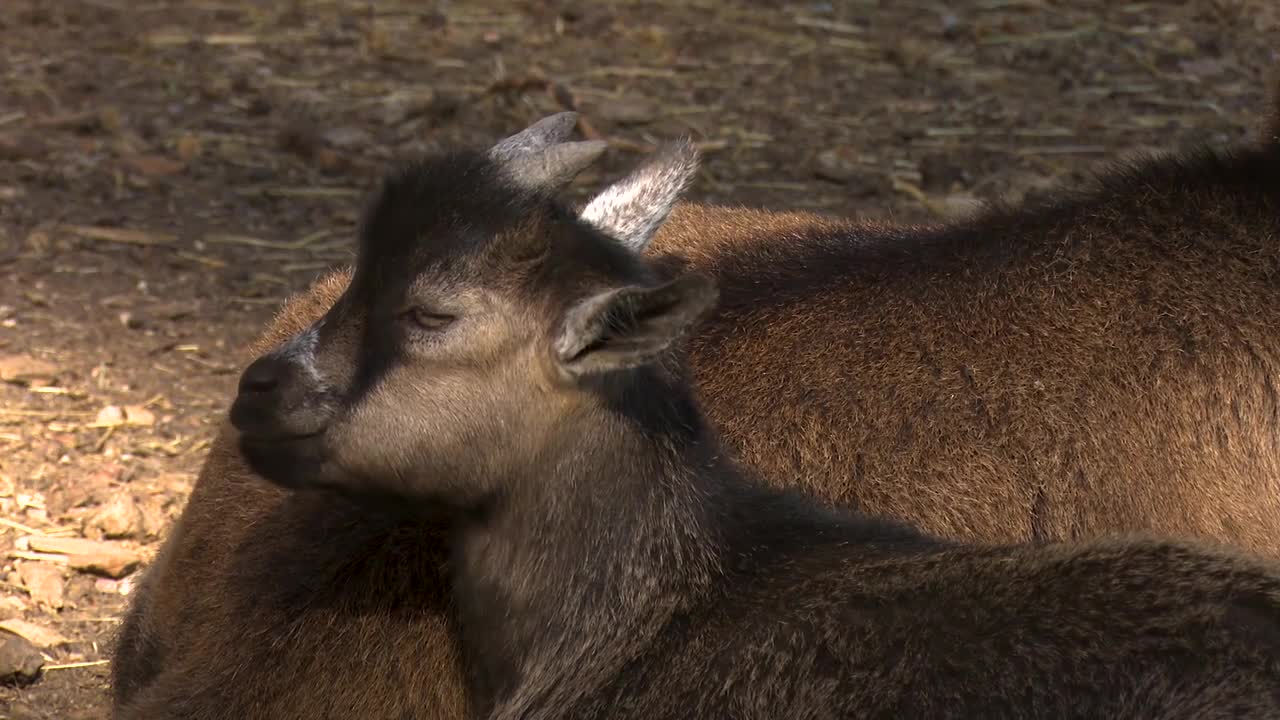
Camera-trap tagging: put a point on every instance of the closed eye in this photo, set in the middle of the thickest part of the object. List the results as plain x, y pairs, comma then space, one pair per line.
428, 319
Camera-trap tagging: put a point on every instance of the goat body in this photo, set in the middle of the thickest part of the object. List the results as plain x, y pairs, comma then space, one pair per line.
651, 580
1103, 362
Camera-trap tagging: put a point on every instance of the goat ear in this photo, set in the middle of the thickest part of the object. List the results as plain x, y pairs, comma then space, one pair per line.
631, 326
632, 209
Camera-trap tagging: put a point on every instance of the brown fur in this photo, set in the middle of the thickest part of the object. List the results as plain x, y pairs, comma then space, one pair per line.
1111, 388
1097, 366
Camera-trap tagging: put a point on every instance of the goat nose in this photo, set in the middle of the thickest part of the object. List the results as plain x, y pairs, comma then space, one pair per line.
262, 376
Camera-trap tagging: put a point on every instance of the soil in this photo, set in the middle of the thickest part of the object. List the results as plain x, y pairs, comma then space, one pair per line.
169, 171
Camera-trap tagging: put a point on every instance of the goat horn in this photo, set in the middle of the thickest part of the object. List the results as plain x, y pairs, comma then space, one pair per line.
555, 166
548, 131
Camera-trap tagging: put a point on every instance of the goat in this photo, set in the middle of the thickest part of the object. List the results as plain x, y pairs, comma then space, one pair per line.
502, 365
1095, 364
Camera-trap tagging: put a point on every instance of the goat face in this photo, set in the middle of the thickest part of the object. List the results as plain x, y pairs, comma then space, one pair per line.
481, 314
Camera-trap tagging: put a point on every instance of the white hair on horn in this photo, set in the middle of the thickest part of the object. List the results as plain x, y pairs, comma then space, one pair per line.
632, 209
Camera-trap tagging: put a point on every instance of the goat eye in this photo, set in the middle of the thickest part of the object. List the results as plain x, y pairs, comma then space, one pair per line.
429, 320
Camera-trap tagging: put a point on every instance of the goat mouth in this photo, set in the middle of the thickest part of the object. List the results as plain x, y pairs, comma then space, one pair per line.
290, 461
278, 440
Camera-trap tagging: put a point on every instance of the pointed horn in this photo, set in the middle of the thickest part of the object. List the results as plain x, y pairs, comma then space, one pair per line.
556, 166
632, 209
548, 131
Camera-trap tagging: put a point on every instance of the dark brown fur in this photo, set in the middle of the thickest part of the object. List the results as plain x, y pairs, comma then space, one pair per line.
1106, 363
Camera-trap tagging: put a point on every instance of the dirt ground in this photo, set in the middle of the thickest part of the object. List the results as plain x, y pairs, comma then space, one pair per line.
169, 171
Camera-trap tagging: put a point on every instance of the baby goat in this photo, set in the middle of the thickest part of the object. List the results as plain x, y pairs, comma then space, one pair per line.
504, 364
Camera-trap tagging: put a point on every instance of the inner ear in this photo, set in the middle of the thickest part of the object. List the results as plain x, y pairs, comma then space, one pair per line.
631, 326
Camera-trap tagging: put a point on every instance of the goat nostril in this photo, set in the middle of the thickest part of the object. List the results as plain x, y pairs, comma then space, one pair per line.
263, 376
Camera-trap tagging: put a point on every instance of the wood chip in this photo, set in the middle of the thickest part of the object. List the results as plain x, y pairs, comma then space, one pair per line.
113, 415
828, 25
43, 583
171, 37
119, 516
189, 147
109, 416
99, 558
26, 370
14, 523
155, 165
70, 545
138, 415
77, 665
120, 235
112, 565
36, 635
630, 111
